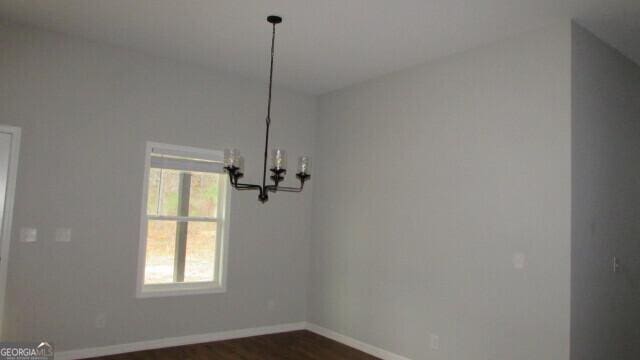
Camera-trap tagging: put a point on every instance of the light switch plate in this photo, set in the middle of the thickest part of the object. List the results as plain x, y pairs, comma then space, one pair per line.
101, 320
28, 235
63, 235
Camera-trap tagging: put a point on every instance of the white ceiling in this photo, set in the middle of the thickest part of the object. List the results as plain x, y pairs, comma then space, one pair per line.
322, 45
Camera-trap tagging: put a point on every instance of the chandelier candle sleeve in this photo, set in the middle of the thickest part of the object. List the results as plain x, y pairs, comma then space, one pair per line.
231, 157
304, 165
279, 159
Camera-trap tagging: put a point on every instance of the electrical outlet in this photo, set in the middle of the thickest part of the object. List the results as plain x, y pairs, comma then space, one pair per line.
28, 235
101, 321
434, 341
616, 264
519, 261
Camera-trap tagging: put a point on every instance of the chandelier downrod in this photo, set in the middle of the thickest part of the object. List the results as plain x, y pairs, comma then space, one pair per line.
234, 163
273, 20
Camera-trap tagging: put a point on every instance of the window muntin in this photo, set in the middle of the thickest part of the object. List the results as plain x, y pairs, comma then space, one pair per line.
184, 221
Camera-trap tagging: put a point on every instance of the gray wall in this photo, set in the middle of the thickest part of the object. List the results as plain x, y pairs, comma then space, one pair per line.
86, 111
428, 181
605, 306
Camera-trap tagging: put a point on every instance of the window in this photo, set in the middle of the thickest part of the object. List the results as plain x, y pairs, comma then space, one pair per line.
184, 222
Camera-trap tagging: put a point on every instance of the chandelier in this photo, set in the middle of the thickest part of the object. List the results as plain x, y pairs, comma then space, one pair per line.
234, 162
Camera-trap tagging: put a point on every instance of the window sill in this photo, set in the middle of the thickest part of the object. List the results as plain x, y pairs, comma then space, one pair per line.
165, 290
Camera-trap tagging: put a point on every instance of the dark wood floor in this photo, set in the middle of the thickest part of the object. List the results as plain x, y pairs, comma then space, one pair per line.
295, 345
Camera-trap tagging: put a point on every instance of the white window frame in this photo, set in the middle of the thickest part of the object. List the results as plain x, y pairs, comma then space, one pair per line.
219, 285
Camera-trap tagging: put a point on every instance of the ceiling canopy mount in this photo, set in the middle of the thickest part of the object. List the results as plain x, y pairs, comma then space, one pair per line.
274, 19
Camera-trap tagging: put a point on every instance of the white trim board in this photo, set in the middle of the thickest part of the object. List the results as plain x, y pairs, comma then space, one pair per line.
176, 341
227, 335
356, 344
5, 236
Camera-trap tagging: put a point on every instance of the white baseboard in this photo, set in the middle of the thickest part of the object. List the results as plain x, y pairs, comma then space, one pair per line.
176, 341
356, 344
226, 335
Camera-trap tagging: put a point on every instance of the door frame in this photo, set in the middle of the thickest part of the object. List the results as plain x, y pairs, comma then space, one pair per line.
5, 237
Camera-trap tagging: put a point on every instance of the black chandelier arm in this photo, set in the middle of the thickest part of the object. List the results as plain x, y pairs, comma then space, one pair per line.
239, 186
302, 177
273, 188
234, 176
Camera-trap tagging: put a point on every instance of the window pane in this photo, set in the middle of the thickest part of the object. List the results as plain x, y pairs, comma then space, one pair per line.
152, 197
204, 194
201, 251
163, 192
161, 248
